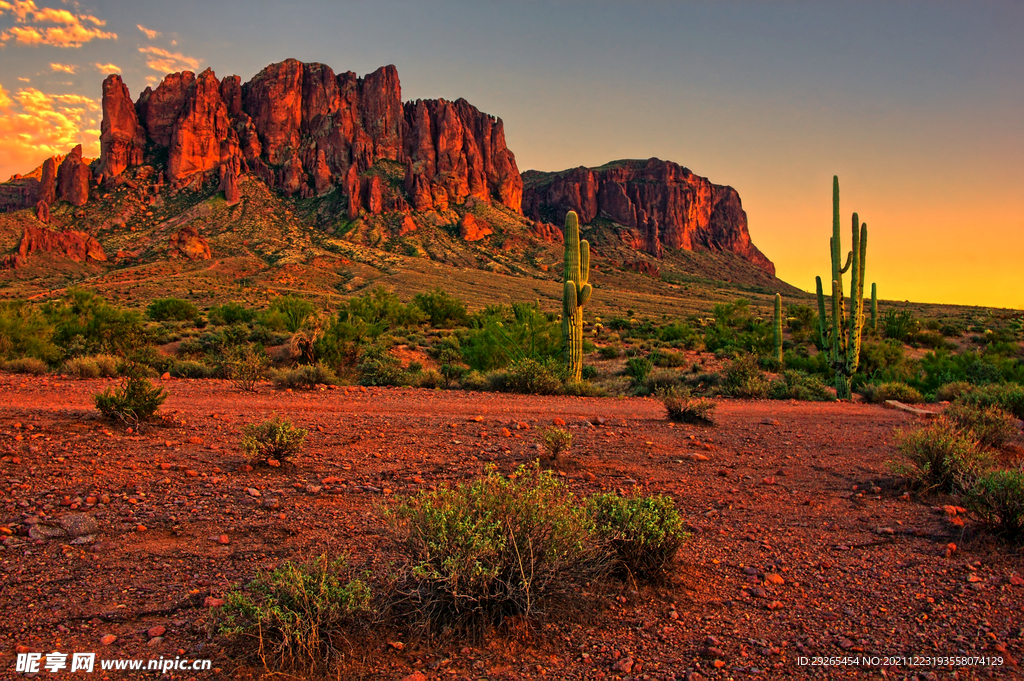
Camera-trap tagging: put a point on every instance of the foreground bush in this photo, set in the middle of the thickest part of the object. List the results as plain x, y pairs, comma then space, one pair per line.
295, 614
643, 532
998, 498
135, 401
91, 367
556, 441
274, 439
877, 393
941, 456
494, 548
528, 376
682, 407
990, 425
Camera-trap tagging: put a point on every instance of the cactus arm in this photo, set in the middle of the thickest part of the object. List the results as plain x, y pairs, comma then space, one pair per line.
849, 258
856, 309
822, 319
584, 295
777, 327
584, 263
874, 301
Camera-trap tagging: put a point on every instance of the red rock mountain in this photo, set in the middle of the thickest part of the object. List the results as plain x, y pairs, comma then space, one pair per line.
666, 204
305, 130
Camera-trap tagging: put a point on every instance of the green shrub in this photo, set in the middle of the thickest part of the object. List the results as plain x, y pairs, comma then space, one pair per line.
610, 352
951, 391
744, 378
644, 532
1008, 397
998, 498
638, 368
877, 393
81, 367
171, 309
494, 548
941, 456
795, 385
305, 377
136, 400
377, 366
668, 358
898, 324
430, 379
991, 425
528, 376
504, 335
190, 369
683, 407
230, 314
294, 615
26, 332
245, 367
273, 439
442, 309
26, 365
583, 389
108, 365
86, 324
555, 441
293, 309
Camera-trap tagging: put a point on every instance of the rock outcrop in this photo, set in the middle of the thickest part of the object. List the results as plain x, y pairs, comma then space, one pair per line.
187, 243
73, 178
305, 130
77, 246
664, 203
122, 139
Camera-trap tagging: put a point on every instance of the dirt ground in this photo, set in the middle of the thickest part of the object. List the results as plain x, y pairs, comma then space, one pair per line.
804, 544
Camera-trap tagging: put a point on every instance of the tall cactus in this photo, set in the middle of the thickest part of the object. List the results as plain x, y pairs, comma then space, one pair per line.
874, 307
777, 326
575, 294
842, 340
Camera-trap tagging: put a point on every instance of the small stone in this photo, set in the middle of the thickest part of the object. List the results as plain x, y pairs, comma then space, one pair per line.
1016, 580
108, 639
769, 422
973, 578
718, 664
166, 376
158, 630
845, 643
313, 489
155, 641
775, 579
140, 528
252, 491
397, 645
558, 422
271, 503
625, 665
273, 463
223, 539
697, 457
476, 419
758, 592
211, 602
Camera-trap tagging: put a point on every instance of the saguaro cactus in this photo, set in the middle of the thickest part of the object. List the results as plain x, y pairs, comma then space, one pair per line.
575, 294
841, 340
777, 326
874, 307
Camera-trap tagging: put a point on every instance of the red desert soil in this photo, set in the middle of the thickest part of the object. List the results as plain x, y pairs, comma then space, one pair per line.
802, 544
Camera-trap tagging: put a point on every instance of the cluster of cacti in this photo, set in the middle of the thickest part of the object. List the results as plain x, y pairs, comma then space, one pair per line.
575, 294
777, 326
841, 339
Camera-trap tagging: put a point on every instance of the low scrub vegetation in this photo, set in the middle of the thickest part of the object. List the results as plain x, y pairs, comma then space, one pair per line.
135, 401
273, 440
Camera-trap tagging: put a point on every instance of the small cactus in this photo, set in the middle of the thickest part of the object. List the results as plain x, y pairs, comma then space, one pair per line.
576, 292
777, 327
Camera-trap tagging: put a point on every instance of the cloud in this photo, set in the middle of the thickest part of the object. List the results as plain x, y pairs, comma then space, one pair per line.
24, 80
107, 68
66, 68
36, 125
67, 29
150, 33
168, 62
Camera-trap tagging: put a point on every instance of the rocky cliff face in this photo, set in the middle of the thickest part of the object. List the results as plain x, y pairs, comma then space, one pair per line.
662, 202
305, 130
77, 246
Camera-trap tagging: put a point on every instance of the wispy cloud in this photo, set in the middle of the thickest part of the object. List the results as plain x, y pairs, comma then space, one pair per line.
150, 33
108, 68
167, 62
24, 80
66, 68
36, 125
66, 28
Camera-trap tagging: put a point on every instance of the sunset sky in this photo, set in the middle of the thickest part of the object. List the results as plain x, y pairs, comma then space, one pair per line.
918, 106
